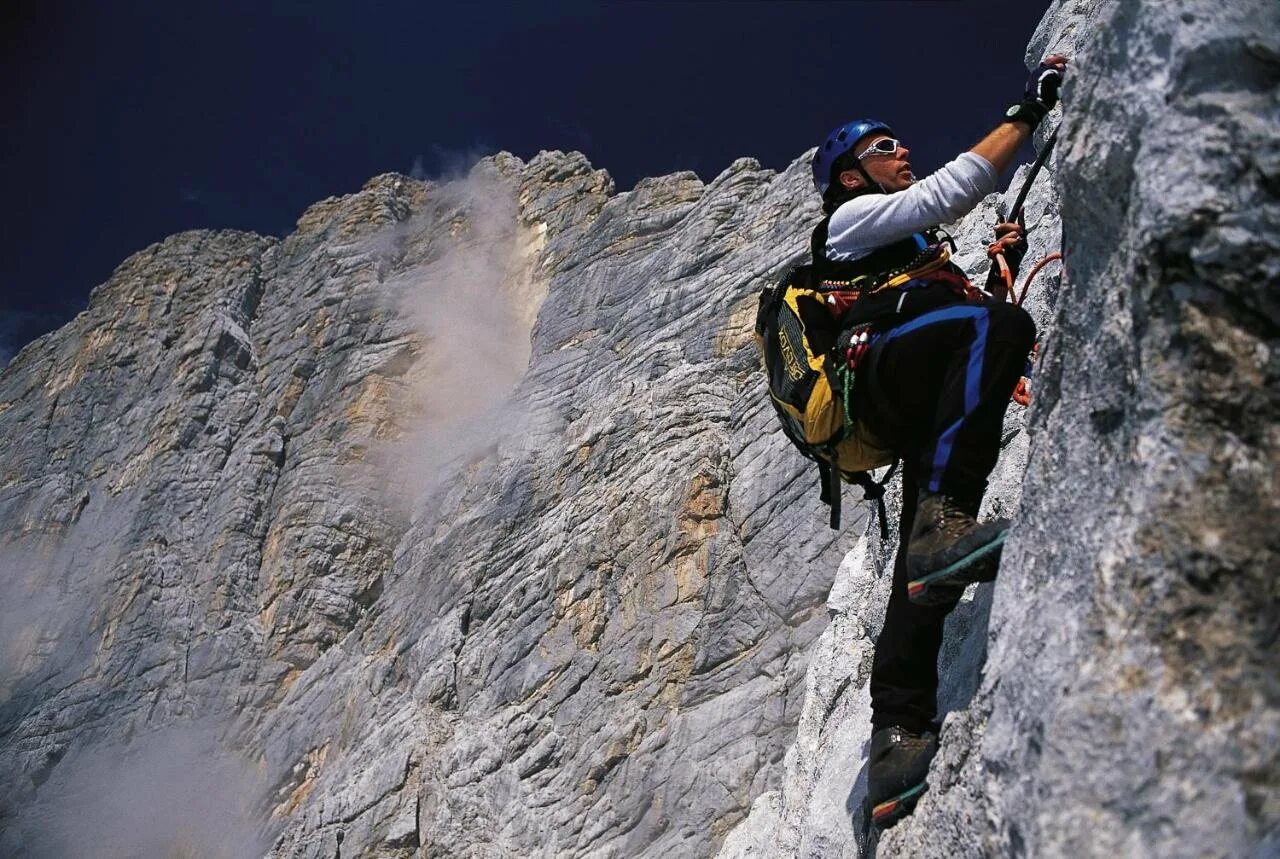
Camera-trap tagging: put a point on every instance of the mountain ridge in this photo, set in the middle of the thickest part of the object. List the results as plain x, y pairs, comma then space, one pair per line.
456, 522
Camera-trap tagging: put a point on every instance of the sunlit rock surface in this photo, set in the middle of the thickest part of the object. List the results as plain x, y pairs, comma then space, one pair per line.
1128, 702
456, 524
456, 515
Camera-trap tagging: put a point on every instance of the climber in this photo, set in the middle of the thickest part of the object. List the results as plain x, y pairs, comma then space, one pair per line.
934, 383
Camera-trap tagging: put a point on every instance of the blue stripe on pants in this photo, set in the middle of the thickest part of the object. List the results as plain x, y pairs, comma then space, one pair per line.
972, 381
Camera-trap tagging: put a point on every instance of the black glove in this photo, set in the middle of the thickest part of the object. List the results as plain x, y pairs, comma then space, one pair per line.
1039, 97
1043, 86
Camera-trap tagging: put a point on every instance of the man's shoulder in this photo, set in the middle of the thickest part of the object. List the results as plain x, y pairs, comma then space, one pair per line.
853, 209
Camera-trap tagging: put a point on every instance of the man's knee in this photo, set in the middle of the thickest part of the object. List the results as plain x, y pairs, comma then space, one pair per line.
1011, 323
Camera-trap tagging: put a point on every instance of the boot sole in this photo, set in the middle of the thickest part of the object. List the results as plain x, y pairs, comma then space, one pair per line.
952, 577
893, 810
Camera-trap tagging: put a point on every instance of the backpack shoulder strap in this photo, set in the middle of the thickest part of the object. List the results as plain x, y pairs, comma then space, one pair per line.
818, 245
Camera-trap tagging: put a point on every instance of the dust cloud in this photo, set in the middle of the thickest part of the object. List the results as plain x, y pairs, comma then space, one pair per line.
178, 793
463, 277
466, 282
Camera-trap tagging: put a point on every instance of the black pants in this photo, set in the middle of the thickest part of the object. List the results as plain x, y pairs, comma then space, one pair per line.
941, 387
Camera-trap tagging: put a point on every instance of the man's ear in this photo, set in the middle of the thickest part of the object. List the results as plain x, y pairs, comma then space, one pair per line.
851, 179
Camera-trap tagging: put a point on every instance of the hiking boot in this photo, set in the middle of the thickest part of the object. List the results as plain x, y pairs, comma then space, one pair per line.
897, 765
948, 549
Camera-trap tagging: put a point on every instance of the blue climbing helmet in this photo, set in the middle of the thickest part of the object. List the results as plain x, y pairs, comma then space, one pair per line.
838, 143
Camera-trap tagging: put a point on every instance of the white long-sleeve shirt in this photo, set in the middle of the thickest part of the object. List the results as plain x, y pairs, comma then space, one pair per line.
872, 221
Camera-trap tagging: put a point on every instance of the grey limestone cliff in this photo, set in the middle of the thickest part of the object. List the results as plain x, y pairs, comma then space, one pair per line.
1115, 692
455, 523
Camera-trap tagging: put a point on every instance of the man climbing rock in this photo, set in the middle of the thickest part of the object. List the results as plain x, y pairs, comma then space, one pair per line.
936, 362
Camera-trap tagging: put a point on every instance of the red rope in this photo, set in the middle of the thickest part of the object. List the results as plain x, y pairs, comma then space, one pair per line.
1034, 271
1022, 393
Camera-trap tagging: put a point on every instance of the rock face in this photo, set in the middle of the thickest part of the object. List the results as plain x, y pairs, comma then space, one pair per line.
452, 524
1117, 691
456, 524
1131, 692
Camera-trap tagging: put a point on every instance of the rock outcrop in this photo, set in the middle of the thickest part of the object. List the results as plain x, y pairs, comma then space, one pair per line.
1116, 692
456, 513
456, 524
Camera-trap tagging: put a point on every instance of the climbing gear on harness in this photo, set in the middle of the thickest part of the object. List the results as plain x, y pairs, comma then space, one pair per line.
897, 766
816, 328
920, 264
948, 548
838, 142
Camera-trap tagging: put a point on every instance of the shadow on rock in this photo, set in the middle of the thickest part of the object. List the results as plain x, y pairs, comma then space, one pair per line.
964, 651
857, 809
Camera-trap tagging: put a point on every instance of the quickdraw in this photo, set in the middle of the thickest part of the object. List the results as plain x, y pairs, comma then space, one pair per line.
849, 354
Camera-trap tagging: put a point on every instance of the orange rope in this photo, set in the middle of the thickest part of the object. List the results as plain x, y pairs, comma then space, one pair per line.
1022, 393
1034, 271
1005, 273
995, 252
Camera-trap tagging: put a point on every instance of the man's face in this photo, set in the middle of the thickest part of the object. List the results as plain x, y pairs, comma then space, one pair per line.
892, 171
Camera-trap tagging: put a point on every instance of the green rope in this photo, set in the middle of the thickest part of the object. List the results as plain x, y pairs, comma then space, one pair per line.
846, 394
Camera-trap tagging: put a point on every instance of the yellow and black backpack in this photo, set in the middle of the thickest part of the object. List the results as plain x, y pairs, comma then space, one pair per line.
816, 328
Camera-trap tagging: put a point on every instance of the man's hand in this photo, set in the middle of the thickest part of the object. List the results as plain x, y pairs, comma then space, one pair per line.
1046, 81
1008, 237
1006, 254
1001, 145
1041, 92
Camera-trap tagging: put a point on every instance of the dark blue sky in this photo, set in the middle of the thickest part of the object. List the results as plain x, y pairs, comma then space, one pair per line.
125, 122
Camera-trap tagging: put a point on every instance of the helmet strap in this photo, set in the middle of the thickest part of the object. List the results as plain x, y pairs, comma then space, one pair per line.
872, 185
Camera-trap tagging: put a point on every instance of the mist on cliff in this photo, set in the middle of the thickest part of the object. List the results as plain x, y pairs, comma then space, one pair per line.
464, 280
30, 616
51, 598
179, 792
